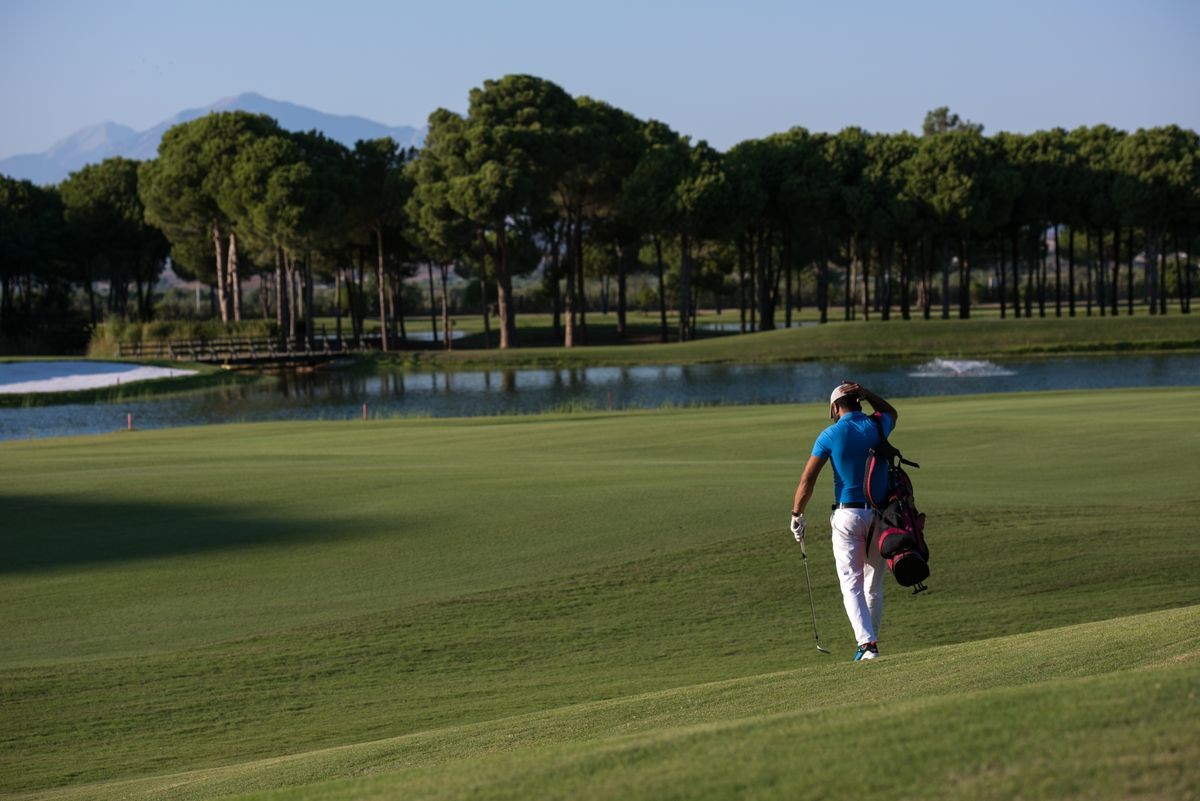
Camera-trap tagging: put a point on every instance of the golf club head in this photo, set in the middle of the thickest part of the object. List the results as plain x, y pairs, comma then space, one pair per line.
811, 605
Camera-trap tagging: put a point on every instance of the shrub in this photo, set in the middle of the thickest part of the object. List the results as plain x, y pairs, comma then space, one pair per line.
117, 330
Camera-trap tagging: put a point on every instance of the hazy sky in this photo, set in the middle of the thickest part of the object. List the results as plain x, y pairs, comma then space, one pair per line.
719, 71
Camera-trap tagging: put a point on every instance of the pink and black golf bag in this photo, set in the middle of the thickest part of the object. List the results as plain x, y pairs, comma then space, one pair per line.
899, 527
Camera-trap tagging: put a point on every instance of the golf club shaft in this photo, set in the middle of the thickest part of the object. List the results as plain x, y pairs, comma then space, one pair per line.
812, 606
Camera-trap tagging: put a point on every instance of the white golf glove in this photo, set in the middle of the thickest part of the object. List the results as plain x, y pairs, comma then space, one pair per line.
798, 527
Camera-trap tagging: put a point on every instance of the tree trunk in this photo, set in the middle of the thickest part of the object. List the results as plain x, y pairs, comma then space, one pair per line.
787, 255
1190, 251
310, 314
280, 297
302, 312
235, 280
581, 295
569, 294
1087, 279
398, 307
1116, 270
741, 267
1150, 273
774, 298
623, 253
927, 268
1162, 275
381, 277
766, 305
508, 336
264, 302
301, 308
483, 289
1129, 275
1071, 273
219, 247
787, 290
1180, 275
391, 310
580, 289
754, 279
885, 276
447, 333
662, 288
290, 273
964, 282
866, 281
1001, 278
1101, 271
433, 324
554, 276
337, 302
91, 291
1029, 274
141, 303
354, 294
1187, 263
946, 279
694, 305
1057, 272
905, 280
1014, 241
1041, 249
823, 287
685, 287
848, 285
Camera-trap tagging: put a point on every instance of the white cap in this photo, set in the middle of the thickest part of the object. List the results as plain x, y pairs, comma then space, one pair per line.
838, 392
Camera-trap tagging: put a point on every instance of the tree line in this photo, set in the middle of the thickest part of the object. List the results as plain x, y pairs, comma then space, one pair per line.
531, 180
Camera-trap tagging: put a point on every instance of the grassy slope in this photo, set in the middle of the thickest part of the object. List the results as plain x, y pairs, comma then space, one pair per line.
799, 733
330, 584
988, 337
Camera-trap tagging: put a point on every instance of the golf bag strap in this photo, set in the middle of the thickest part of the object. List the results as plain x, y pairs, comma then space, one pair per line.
877, 419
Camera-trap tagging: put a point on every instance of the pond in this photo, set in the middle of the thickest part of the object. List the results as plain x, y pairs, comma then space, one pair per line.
338, 394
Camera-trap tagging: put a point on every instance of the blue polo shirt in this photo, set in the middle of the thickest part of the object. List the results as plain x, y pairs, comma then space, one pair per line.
847, 444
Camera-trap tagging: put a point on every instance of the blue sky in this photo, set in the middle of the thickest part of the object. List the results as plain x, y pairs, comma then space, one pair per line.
718, 71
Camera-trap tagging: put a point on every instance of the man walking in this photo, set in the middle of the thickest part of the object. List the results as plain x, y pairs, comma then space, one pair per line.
860, 567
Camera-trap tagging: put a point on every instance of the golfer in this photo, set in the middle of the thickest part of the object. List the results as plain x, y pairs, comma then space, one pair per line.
860, 567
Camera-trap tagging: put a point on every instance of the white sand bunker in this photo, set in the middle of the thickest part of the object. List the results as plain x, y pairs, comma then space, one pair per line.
21, 377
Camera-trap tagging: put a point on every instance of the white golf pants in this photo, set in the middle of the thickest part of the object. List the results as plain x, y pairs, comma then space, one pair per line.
860, 571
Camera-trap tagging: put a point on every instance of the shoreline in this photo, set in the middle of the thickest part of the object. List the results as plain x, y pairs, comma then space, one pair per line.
205, 376
854, 341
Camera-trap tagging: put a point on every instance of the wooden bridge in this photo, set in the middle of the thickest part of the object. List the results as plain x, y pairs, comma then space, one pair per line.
249, 352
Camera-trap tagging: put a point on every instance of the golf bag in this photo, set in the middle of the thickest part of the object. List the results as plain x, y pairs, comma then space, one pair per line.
899, 527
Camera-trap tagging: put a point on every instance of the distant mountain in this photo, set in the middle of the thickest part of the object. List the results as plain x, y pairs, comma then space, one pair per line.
98, 142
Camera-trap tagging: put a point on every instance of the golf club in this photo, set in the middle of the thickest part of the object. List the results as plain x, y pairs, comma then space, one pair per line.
808, 582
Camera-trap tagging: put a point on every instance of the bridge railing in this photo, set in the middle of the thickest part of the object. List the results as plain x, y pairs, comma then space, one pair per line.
248, 349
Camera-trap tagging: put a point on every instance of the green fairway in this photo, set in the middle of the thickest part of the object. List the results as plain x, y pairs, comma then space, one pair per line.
602, 605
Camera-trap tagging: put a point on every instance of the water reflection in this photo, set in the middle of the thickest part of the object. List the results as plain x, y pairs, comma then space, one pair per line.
336, 394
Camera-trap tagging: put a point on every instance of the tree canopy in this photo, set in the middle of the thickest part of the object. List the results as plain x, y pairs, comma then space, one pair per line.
531, 179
